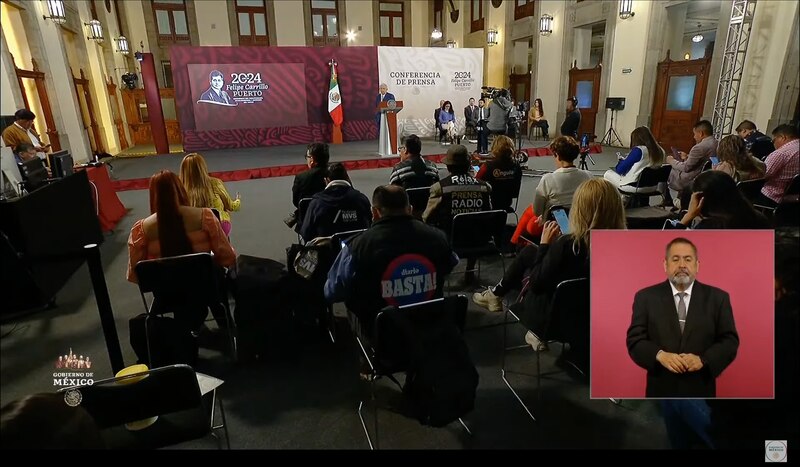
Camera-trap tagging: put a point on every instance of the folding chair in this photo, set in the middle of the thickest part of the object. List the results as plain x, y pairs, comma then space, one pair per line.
646, 186
787, 213
751, 188
386, 348
188, 286
337, 242
476, 235
302, 207
185, 403
418, 198
568, 323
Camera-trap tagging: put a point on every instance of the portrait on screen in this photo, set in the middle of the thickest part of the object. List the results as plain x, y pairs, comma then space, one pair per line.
215, 94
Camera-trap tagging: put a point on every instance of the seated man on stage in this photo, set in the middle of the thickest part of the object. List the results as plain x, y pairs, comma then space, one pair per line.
470, 117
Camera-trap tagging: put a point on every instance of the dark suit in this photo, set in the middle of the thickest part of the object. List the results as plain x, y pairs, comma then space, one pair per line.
471, 116
386, 97
709, 333
571, 124
212, 97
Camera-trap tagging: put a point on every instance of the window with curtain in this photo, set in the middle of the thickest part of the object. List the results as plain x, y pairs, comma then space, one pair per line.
476, 15
523, 8
251, 16
166, 68
324, 22
391, 23
171, 24
438, 14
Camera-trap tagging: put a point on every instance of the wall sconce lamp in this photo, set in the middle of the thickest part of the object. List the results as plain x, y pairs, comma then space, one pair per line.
451, 44
626, 9
57, 12
436, 34
350, 36
546, 25
122, 45
95, 31
491, 37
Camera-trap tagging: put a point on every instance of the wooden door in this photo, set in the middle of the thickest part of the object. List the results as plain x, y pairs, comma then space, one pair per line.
116, 115
32, 82
520, 87
678, 101
135, 105
87, 113
585, 85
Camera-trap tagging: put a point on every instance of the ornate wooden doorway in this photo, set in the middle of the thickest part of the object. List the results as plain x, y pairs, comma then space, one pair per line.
116, 113
87, 113
585, 85
678, 101
32, 82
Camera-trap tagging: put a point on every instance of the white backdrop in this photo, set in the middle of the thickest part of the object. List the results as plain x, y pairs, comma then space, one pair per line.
422, 76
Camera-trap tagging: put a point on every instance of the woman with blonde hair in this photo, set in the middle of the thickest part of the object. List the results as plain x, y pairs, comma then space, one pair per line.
645, 152
736, 161
560, 256
205, 191
502, 172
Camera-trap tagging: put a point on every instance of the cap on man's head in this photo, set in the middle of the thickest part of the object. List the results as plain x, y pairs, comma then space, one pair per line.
457, 155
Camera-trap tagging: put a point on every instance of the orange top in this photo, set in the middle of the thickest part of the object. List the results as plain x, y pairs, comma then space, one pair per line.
210, 237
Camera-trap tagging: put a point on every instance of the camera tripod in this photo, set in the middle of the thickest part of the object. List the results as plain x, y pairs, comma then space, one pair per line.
584, 155
611, 135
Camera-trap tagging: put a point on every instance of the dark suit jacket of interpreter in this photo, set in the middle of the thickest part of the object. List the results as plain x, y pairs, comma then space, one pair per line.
709, 332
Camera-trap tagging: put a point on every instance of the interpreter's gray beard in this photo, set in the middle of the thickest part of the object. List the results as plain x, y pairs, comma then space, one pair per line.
680, 280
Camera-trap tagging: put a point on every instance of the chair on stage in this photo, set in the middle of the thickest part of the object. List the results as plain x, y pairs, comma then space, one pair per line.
398, 335
179, 404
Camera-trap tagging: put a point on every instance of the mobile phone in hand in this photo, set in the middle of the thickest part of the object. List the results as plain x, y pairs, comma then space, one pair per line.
714, 160
675, 153
563, 221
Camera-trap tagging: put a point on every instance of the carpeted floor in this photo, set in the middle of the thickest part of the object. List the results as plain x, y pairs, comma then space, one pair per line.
304, 394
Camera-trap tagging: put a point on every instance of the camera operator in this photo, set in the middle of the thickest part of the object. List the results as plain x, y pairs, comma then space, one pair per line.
499, 111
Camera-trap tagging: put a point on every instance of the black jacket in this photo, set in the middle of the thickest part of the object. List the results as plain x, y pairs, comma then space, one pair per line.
307, 184
505, 180
571, 124
759, 145
414, 172
338, 208
709, 333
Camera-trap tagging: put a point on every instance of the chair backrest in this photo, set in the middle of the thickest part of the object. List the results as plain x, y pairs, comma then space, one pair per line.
216, 213
34, 173
751, 188
569, 314
418, 198
116, 401
707, 165
794, 187
302, 207
475, 229
343, 237
396, 329
652, 176
181, 283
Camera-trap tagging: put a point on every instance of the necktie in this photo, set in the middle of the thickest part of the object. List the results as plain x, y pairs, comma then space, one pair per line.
681, 310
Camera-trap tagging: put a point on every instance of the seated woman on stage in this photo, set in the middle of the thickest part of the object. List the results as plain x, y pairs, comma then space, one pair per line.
554, 189
736, 161
207, 192
174, 228
645, 152
447, 121
536, 118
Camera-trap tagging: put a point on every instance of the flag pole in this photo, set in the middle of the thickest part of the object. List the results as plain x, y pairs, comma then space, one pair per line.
336, 129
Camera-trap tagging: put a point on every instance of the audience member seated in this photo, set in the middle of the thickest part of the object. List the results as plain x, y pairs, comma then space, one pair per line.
470, 117
735, 161
596, 205
436, 123
45, 421
782, 165
338, 208
687, 166
717, 203
207, 192
174, 228
447, 121
413, 171
758, 144
312, 181
502, 173
554, 189
397, 261
536, 118
458, 192
645, 152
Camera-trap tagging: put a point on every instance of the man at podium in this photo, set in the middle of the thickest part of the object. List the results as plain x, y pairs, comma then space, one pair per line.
383, 95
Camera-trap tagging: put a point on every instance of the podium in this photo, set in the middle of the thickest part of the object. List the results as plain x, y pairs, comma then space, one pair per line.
387, 137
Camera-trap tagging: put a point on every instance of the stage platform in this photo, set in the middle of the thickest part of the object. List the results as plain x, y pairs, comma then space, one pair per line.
279, 161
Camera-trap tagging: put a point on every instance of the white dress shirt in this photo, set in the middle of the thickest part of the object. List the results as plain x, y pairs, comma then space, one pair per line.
686, 298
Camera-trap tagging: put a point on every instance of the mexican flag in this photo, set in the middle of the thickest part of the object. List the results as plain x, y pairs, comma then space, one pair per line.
335, 99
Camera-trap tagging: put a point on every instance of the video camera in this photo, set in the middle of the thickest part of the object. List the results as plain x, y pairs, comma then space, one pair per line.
488, 92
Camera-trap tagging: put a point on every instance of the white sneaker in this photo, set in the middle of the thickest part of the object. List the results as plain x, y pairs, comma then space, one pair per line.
488, 300
533, 341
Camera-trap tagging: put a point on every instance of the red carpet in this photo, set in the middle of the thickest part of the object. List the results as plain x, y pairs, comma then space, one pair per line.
288, 170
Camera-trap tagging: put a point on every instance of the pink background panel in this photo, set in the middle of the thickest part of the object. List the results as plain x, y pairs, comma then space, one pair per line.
738, 262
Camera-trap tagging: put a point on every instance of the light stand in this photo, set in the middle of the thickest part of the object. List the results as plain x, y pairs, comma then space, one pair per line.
584, 155
611, 135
